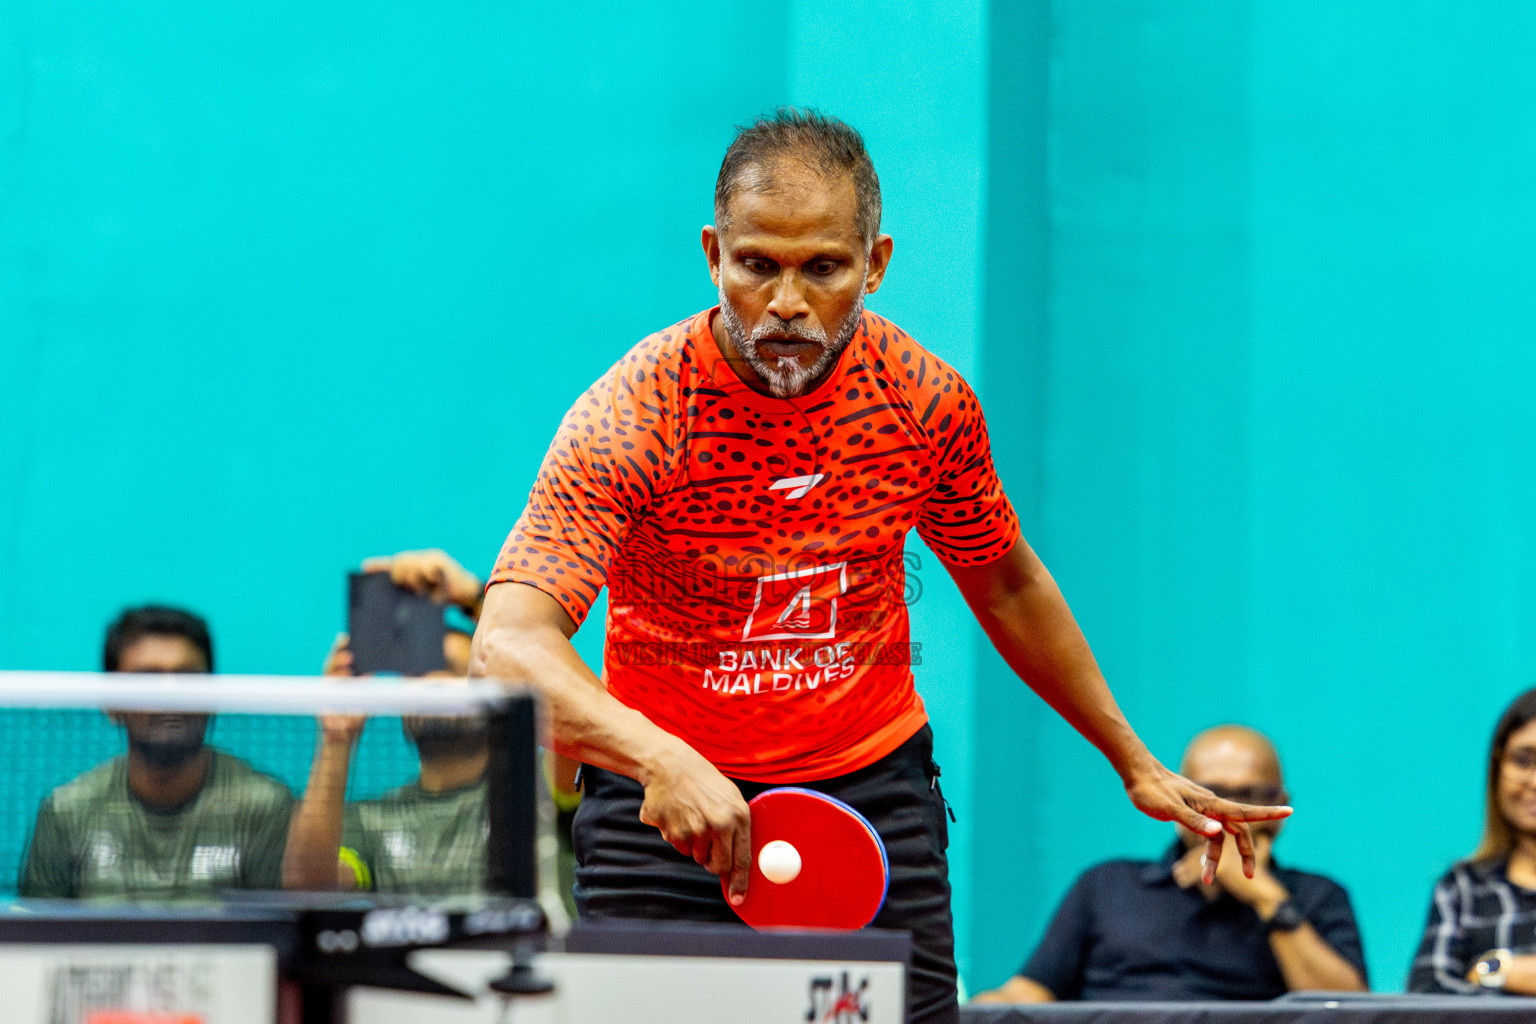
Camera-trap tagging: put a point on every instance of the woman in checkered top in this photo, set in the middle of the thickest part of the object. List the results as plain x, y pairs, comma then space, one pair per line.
1481, 934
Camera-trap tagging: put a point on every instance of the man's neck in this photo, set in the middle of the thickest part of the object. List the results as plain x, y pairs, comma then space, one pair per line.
168, 788
453, 771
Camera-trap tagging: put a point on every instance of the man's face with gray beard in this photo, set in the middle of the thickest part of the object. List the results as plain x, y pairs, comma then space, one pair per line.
792, 264
785, 375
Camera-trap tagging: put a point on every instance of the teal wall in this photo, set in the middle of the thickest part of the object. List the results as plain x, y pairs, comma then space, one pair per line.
1245, 286
1276, 370
281, 287
927, 134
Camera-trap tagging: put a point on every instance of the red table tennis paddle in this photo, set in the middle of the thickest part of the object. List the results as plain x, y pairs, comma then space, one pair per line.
834, 874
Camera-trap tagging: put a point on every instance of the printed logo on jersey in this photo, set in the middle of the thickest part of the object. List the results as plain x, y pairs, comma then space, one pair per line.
799, 605
209, 862
105, 852
797, 486
399, 848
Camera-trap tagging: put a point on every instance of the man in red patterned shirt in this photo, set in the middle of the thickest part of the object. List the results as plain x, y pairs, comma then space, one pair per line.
743, 483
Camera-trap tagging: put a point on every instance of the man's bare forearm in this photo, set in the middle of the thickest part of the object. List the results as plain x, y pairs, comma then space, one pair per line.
314, 837
524, 636
1018, 604
1017, 989
1307, 962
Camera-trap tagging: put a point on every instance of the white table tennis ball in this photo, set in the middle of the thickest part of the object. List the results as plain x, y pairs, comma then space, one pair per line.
779, 861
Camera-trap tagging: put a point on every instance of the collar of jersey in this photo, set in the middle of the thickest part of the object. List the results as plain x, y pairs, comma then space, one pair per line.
446, 794
710, 350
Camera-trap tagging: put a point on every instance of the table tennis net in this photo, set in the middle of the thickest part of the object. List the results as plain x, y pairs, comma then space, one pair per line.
188, 787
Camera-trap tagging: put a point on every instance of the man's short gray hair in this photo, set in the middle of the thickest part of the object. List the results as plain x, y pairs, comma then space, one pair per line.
822, 143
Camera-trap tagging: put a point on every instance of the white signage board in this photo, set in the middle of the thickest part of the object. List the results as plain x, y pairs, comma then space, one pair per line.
203, 984
595, 988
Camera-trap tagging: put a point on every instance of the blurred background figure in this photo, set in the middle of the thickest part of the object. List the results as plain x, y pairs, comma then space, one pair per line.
173, 817
1481, 932
429, 836
1151, 930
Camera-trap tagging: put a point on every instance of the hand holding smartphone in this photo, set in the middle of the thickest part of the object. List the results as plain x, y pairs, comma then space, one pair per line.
393, 630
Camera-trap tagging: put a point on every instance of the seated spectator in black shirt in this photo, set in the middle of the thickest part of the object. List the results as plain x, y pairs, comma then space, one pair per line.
1481, 934
1152, 930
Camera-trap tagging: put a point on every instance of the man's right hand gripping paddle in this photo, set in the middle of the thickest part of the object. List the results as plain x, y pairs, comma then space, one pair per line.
702, 814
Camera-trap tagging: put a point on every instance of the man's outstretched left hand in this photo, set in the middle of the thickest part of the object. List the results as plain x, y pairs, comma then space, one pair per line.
1168, 796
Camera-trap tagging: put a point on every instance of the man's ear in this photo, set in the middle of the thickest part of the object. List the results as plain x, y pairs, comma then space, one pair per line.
879, 260
710, 238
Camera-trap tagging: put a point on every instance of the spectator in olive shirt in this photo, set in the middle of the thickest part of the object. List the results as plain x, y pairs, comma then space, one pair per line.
424, 838
172, 818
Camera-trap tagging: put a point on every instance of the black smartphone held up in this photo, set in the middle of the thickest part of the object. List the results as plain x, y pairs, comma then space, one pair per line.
393, 630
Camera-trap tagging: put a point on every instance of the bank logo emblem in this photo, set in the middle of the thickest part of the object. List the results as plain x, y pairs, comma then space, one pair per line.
797, 486
799, 605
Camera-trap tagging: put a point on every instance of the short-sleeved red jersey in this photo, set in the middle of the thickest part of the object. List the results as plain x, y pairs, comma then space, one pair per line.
753, 546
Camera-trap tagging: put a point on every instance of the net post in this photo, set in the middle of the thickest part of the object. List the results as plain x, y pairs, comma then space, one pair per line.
512, 775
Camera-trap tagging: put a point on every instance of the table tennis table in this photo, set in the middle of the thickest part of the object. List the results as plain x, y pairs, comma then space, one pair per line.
334, 959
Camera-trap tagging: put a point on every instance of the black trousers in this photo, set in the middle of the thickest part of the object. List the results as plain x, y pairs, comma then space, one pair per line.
625, 869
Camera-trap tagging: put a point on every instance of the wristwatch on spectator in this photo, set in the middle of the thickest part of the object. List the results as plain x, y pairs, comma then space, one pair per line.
1491, 968
1286, 918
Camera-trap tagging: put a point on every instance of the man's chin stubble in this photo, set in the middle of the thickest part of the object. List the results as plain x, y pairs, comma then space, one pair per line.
785, 377
794, 380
